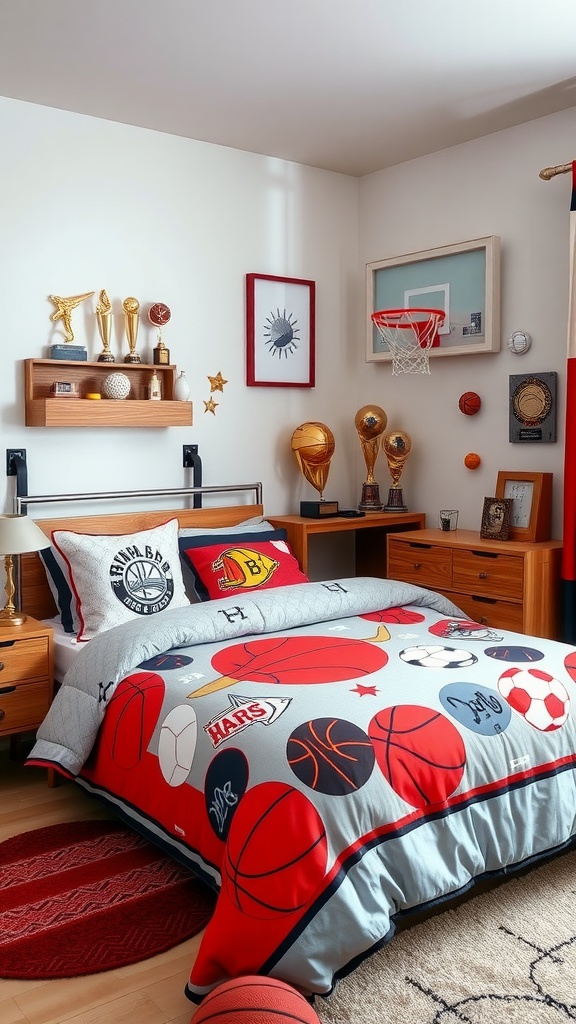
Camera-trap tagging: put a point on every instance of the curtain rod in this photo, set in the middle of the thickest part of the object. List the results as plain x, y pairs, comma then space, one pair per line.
550, 172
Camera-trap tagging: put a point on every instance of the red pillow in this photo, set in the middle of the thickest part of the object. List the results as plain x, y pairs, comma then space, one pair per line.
241, 568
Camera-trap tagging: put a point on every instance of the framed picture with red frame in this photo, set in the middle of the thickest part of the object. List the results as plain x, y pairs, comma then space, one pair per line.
280, 331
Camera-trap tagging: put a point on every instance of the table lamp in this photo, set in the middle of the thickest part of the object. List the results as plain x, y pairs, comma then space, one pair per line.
18, 535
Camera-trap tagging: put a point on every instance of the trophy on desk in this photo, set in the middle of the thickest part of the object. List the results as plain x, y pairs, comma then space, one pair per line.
104, 321
396, 446
131, 309
370, 422
313, 445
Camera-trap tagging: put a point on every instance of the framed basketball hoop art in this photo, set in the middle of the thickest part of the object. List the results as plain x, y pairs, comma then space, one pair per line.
280, 331
438, 302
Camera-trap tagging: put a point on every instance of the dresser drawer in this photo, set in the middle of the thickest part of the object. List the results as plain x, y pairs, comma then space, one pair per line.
423, 564
489, 611
488, 574
23, 706
25, 659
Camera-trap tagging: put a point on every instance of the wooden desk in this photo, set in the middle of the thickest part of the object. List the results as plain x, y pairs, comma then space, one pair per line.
370, 532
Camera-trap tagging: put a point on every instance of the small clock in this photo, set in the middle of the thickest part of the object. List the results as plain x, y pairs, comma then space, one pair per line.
159, 314
519, 342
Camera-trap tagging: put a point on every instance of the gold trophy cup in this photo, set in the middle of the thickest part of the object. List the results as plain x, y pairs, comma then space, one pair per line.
396, 446
104, 321
131, 309
370, 422
313, 445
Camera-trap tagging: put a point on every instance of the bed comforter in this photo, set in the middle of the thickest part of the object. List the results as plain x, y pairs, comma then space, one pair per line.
327, 756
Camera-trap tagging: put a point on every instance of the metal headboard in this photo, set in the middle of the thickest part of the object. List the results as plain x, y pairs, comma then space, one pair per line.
21, 501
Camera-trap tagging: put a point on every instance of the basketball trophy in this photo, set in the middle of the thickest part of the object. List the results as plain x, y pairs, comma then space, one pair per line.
104, 321
396, 446
370, 422
131, 309
313, 445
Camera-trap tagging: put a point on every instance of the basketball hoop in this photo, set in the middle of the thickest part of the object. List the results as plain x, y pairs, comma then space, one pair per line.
409, 334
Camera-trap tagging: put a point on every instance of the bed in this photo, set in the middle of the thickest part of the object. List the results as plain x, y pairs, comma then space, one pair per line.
329, 757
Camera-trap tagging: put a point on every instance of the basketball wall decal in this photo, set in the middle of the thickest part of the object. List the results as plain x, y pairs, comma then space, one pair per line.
330, 755
251, 999
469, 403
419, 752
472, 460
264, 878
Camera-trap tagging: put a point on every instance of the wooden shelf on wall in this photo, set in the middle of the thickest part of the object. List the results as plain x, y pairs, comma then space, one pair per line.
42, 410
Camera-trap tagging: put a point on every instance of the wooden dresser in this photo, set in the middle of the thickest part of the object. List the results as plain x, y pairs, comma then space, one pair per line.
505, 584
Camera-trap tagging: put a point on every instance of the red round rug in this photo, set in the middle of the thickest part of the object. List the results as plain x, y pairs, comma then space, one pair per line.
89, 896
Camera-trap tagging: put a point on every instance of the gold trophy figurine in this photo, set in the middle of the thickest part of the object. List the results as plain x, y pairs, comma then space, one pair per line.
313, 445
396, 445
104, 321
370, 422
131, 309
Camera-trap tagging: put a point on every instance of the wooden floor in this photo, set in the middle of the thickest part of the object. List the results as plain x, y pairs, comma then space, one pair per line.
150, 992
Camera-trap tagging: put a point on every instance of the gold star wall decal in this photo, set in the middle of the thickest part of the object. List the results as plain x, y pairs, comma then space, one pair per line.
210, 406
217, 383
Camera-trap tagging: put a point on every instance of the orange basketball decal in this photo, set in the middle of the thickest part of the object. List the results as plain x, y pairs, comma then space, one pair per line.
420, 753
266, 879
330, 755
131, 717
294, 661
401, 616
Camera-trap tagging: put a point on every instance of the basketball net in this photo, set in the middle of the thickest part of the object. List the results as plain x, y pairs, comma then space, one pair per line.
409, 334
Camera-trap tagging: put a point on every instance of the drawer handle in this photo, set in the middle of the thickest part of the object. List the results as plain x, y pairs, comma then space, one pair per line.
483, 620
482, 575
1, 665
7, 689
2, 714
416, 565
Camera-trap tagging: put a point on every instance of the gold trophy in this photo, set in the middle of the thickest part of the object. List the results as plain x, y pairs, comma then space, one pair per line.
396, 446
313, 445
63, 308
131, 309
370, 422
104, 321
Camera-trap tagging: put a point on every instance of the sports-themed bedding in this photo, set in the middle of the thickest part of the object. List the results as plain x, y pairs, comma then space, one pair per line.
327, 756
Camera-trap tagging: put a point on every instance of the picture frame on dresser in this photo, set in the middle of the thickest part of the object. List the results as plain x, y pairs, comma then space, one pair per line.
463, 280
496, 518
531, 495
280, 331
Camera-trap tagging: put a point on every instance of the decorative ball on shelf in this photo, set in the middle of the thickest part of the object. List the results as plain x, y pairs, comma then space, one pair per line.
469, 403
116, 385
472, 460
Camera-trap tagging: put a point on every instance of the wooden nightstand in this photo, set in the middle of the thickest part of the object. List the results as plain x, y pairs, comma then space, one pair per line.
504, 584
26, 677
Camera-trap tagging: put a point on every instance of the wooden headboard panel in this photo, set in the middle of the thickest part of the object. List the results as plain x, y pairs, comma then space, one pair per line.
36, 597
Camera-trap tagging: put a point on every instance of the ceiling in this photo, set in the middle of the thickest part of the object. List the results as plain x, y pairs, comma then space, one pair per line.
346, 85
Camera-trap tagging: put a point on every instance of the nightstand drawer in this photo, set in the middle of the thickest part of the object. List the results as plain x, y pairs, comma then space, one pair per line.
489, 611
24, 659
23, 706
423, 564
488, 574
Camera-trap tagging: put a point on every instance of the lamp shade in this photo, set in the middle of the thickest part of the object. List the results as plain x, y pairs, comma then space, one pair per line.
19, 534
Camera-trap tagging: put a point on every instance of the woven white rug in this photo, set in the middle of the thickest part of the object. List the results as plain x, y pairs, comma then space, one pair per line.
505, 957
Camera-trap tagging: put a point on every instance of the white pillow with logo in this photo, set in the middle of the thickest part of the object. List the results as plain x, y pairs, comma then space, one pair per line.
116, 579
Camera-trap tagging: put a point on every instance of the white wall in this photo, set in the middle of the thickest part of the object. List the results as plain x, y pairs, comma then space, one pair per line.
90, 204
486, 187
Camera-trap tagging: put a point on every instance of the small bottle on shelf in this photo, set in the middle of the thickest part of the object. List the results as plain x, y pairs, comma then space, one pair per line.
155, 388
